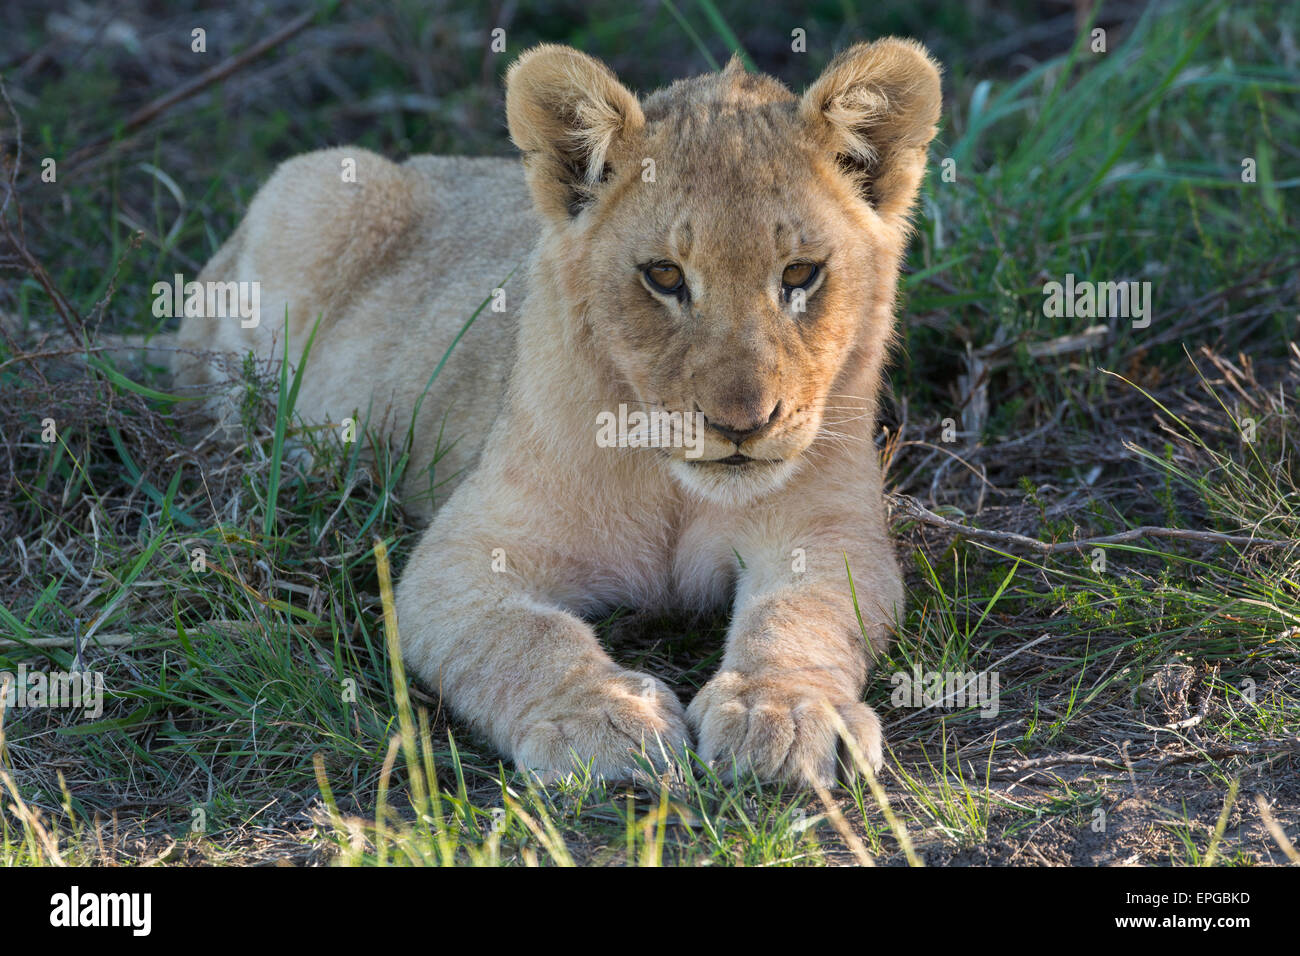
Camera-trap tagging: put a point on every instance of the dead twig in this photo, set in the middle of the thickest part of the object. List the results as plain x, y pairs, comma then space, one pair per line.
1056, 760
183, 92
237, 628
1258, 748
16, 234
912, 508
1270, 748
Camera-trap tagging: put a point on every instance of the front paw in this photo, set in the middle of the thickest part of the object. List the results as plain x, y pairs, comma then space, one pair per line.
773, 726
605, 723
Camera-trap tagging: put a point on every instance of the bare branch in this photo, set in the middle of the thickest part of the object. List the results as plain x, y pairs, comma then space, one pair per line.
912, 508
183, 92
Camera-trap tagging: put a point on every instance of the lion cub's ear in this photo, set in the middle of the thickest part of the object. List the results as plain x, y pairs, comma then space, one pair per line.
875, 107
566, 112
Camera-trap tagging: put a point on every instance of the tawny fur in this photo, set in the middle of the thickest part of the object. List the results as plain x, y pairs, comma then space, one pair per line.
544, 526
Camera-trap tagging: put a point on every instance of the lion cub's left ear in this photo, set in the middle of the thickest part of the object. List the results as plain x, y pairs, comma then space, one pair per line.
876, 107
567, 113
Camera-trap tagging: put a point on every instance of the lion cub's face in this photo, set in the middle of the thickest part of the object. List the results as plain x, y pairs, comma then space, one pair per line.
731, 250
732, 287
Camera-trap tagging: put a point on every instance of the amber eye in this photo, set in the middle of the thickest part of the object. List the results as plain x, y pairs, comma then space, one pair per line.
799, 275
664, 277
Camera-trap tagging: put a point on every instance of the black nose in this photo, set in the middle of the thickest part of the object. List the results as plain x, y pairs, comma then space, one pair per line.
743, 432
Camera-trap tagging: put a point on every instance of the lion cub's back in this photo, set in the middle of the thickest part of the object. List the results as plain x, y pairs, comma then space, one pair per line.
393, 259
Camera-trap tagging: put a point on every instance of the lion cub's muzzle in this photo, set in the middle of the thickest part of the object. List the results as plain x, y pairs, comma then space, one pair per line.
741, 428
744, 429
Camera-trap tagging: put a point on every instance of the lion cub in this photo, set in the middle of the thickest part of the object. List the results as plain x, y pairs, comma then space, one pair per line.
668, 401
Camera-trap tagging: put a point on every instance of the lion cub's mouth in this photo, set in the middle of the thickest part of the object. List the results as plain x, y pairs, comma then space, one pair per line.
736, 461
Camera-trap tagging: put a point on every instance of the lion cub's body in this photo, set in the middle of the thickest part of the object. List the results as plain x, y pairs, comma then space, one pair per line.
728, 182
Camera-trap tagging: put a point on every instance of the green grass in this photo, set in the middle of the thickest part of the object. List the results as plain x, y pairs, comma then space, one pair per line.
255, 709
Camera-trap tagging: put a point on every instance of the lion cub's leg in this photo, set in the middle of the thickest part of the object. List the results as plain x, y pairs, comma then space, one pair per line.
797, 659
519, 667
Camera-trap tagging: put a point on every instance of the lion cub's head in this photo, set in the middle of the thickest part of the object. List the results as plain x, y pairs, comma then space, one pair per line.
729, 250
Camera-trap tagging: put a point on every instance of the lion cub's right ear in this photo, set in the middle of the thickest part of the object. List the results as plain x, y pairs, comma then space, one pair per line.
566, 112
875, 108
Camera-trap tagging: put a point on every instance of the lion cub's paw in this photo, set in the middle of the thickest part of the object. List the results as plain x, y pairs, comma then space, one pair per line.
605, 722
771, 726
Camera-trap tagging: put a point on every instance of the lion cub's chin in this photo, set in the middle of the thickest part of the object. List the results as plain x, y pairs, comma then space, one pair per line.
731, 485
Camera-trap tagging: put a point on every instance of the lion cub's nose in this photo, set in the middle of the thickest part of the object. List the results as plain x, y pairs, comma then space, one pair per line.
741, 432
